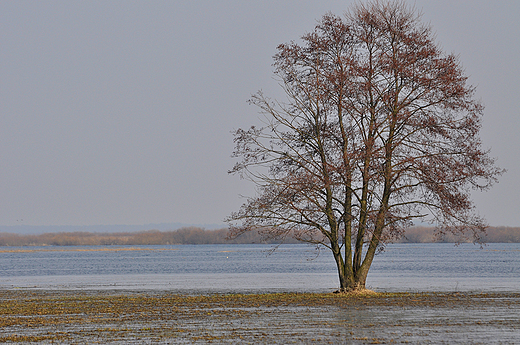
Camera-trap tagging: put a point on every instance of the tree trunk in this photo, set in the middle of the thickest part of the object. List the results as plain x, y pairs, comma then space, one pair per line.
348, 281
349, 285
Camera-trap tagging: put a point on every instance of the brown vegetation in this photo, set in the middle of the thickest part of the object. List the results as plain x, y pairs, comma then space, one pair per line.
190, 235
165, 317
500, 234
194, 235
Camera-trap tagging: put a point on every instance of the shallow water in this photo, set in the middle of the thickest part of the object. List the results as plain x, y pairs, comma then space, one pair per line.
159, 317
256, 268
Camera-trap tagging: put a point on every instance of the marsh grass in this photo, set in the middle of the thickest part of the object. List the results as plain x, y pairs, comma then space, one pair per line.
135, 317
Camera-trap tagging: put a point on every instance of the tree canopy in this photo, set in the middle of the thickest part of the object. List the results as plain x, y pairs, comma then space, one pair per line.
379, 128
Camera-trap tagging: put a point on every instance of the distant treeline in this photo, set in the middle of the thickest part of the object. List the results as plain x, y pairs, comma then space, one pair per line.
499, 234
194, 235
188, 235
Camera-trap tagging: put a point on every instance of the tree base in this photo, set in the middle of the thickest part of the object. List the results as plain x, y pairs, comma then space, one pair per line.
356, 292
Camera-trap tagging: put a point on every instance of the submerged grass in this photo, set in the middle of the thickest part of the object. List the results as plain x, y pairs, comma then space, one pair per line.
32, 316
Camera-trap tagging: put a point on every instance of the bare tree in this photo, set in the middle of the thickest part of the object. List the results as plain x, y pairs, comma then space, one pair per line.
379, 128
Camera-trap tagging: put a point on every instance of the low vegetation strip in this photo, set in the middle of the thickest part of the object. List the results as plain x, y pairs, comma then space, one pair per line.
191, 235
72, 249
194, 235
372, 318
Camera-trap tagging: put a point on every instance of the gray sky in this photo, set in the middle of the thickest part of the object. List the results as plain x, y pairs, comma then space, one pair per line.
120, 112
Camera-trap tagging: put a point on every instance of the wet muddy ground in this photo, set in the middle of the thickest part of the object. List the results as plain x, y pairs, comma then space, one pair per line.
123, 317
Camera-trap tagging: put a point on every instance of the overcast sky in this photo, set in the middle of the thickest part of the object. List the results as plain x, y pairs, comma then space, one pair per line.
120, 112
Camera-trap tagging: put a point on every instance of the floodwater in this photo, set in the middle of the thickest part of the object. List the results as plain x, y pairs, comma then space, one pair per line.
177, 294
115, 317
257, 268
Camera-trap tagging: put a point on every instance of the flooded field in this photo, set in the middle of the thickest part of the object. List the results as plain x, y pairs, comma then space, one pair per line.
122, 317
426, 294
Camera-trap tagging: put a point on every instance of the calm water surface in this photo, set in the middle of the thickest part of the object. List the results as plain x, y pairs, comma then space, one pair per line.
256, 268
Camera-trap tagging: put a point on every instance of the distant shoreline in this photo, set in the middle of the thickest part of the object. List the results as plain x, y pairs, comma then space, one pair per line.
22, 229
197, 235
